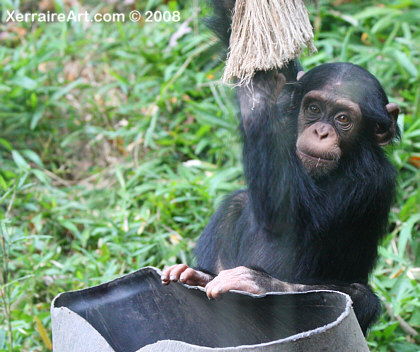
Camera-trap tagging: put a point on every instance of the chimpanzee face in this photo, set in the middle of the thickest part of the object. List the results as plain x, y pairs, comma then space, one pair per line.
329, 122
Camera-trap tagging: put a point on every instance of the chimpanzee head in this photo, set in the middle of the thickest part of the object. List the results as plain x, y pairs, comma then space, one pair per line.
341, 106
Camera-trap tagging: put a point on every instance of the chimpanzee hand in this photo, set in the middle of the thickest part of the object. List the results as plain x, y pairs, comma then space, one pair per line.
240, 279
186, 275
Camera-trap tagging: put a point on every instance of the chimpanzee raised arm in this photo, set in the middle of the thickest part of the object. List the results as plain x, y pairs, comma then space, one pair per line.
319, 188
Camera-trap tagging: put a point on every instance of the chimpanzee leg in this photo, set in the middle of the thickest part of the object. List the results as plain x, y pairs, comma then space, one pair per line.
366, 304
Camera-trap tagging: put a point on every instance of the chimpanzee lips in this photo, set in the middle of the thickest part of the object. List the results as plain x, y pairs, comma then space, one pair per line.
323, 158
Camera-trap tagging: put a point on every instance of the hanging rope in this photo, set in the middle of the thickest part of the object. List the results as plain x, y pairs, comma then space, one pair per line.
266, 34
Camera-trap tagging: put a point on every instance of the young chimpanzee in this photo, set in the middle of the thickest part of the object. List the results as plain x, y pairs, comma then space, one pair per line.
319, 188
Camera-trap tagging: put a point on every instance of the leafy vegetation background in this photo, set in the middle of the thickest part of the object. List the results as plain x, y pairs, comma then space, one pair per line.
116, 147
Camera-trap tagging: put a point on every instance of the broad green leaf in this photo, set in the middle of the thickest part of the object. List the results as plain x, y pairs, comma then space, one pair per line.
19, 160
6, 144
405, 233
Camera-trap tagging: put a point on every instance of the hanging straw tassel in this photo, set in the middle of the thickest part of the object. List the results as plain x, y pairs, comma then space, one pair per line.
266, 34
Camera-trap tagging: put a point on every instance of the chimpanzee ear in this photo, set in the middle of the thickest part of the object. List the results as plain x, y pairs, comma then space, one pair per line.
385, 137
393, 111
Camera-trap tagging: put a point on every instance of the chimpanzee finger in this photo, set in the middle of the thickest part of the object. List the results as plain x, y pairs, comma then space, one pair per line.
172, 273
190, 277
165, 274
177, 271
195, 277
300, 75
215, 289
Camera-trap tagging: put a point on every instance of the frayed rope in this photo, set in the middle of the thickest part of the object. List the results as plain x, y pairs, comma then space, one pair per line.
266, 34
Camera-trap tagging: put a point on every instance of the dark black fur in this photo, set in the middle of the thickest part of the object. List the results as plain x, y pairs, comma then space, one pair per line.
288, 225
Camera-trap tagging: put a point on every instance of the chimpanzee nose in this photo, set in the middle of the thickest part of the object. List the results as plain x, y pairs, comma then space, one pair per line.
322, 131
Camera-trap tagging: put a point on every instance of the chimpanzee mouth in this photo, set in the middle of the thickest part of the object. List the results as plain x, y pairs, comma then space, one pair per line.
323, 159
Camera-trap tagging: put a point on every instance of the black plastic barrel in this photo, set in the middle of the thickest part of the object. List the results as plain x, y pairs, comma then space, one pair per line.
137, 313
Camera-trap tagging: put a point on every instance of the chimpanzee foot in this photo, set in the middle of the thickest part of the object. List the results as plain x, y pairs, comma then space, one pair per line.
186, 275
239, 278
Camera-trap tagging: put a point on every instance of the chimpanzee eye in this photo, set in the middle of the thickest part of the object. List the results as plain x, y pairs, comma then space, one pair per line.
314, 108
344, 119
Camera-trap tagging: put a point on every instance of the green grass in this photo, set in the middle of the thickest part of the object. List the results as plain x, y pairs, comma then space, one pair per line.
115, 150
